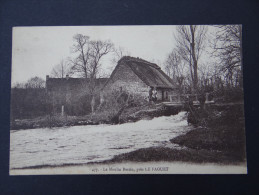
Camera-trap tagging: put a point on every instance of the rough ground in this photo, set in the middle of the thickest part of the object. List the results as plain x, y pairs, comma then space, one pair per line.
200, 146
222, 140
167, 154
131, 114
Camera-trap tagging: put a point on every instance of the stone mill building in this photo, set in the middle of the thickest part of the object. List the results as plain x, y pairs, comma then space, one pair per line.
136, 76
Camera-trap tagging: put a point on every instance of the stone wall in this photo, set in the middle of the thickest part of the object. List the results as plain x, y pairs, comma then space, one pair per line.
159, 94
125, 79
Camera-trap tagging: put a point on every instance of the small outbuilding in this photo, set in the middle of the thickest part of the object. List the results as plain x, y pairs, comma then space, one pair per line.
71, 95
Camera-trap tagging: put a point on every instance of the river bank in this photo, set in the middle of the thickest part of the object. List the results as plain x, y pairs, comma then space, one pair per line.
131, 114
220, 140
202, 145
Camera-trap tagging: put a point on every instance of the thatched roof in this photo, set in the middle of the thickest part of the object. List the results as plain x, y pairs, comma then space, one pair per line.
150, 73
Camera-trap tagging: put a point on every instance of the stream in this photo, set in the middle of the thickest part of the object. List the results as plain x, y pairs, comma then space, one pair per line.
93, 143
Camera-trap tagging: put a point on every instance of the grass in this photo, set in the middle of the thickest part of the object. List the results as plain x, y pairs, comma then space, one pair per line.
222, 140
167, 154
219, 145
229, 141
48, 122
99, 117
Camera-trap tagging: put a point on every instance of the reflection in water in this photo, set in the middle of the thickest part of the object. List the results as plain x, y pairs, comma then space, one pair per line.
83, 144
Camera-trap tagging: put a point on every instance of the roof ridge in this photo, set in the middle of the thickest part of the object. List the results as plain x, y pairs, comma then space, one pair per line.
137, 59
78, 78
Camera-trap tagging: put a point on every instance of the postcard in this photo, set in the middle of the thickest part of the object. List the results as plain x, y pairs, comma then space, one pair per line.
160, 99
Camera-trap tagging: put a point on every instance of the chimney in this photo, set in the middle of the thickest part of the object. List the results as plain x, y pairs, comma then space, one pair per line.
47, 77
67, 77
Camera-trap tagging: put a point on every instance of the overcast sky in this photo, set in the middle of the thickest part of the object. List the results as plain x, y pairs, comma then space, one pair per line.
36, 50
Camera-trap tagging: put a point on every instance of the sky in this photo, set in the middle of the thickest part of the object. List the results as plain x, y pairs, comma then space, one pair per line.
36, 50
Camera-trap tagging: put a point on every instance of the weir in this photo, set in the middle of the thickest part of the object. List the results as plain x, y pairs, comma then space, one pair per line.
86, 147
178, 103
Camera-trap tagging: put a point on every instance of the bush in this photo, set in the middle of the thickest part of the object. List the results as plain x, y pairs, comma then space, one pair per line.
116, 101
28, 103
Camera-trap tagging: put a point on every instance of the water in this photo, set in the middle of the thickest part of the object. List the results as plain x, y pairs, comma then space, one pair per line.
83, 144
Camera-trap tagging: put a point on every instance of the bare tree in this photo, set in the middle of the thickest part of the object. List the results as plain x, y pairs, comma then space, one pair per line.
227, 47
98, 49
61, 70
18, 85
207, 73
80, 63
35, 82
175, 68
190, 44
87, 63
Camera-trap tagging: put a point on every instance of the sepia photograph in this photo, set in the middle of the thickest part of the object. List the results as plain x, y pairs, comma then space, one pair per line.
140, 99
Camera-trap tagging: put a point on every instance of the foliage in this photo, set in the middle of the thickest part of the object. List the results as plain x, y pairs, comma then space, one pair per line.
28, 99
227, 49
35, 82
28, 102
117, 101
221, 74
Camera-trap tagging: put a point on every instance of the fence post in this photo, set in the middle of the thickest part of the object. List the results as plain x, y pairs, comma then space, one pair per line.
62, 110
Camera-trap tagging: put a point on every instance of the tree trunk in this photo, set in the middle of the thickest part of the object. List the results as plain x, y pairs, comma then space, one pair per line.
241, 53
194, 59
195, 75
93, 103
